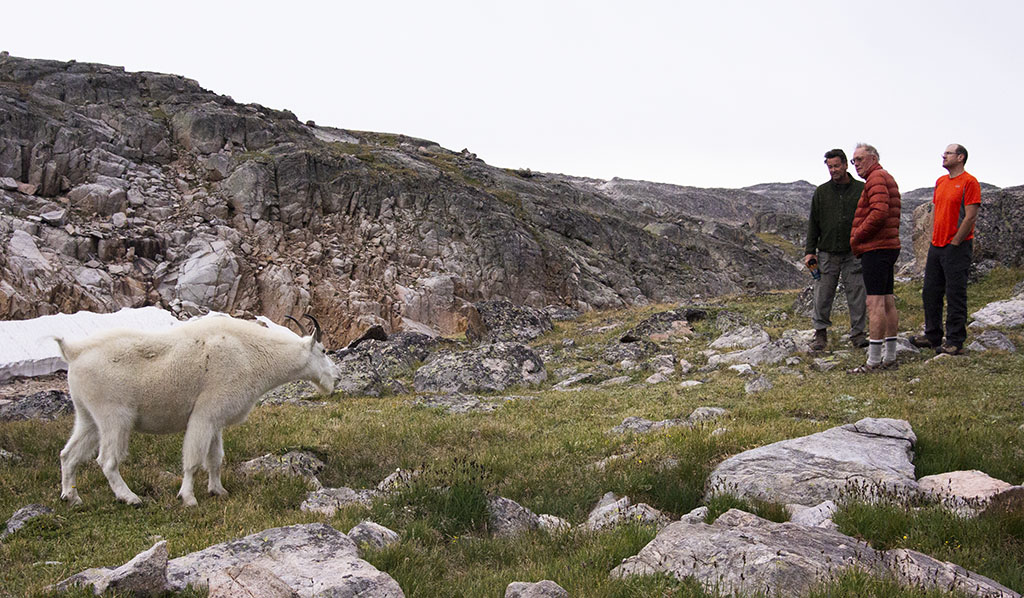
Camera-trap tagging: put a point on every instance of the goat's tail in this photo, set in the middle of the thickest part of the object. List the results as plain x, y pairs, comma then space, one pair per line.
65, 353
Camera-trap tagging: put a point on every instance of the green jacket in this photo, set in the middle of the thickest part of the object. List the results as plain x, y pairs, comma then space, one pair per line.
832, 209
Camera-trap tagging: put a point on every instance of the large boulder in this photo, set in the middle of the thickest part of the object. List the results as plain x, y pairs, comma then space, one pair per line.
487, 368
743, 553
871, 457
313, 559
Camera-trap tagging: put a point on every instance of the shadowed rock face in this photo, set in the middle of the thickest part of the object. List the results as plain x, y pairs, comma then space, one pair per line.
130, 189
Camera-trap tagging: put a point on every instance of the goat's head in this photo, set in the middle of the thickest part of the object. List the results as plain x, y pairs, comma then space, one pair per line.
324, 372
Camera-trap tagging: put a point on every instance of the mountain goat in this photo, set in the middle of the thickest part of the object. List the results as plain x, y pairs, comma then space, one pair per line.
199, 376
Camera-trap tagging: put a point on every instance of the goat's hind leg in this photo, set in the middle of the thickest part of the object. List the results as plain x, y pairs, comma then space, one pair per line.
214, 459
81, 446
194, 452
115, 429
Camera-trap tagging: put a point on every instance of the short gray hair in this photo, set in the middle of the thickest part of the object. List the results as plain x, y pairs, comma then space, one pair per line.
868, 148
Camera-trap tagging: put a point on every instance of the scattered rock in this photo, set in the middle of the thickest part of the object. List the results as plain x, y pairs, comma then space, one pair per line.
614, 381
457, 402
1000, 314
553, 524
559, 313
9, 457
871, 457
611, 511
992, 340
540, 589
487, 368
46, 405
373, 534
746, 337
506, 517
759, 384
327, 501
967, 493
22, 516
300, 464
768, 353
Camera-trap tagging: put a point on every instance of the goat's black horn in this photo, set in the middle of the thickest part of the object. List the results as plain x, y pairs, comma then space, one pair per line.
297, 323
317, 333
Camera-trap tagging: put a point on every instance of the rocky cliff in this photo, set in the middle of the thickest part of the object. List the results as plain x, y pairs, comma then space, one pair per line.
129, 189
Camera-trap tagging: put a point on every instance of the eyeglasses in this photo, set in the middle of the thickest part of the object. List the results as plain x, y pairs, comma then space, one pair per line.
856, 160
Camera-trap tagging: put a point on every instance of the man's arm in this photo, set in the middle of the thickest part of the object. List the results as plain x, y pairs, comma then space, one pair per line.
970, 215
813, 231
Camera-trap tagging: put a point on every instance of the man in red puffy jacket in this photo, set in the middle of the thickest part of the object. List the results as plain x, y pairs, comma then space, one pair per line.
875, 238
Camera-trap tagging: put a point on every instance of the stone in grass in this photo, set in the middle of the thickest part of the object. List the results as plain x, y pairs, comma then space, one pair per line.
22, 516
540, 589
372, 534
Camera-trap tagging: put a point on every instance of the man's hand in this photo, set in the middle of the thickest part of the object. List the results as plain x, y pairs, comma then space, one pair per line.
808, 258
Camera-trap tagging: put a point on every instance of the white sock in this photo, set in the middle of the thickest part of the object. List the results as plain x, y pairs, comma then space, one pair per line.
874, 352
890, 349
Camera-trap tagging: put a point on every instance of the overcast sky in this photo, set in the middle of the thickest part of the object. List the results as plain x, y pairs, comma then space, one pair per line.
704, 93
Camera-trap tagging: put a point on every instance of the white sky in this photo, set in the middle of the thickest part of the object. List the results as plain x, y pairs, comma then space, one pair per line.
705, 93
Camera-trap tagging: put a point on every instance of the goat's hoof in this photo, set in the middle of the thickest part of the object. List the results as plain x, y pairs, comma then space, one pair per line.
72, 498
132, 500
218, 492
189, 501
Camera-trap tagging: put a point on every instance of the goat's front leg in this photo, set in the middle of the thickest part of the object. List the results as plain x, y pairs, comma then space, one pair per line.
214, 459
194, 451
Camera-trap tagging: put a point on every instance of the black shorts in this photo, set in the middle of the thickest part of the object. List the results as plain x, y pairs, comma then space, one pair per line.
879, 270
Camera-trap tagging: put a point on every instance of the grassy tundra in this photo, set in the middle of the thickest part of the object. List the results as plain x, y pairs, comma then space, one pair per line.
967, 414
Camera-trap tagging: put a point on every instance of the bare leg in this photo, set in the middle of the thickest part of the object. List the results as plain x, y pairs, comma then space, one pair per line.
82, 445
114, 432
214, 459
892, 316
194, 452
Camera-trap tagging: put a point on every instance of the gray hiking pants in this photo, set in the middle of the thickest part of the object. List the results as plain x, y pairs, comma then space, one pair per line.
834, 266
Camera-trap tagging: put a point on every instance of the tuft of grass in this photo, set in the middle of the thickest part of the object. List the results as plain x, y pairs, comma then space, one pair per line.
992, 545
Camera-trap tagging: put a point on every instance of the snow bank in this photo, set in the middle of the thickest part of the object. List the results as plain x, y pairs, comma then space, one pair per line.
28, 349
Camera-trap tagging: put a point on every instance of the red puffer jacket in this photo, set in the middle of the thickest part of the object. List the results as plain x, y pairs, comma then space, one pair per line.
876, 223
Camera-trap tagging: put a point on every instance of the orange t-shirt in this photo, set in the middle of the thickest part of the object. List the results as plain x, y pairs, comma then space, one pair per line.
949, 193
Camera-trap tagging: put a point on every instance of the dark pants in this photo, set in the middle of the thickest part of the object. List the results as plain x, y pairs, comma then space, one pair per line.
945, 275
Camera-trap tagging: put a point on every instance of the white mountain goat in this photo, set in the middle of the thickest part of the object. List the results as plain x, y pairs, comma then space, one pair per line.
199, 376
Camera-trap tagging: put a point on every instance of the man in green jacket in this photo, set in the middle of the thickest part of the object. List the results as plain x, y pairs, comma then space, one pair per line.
828, 242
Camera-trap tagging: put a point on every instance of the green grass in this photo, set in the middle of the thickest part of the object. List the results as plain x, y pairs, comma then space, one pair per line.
542, 454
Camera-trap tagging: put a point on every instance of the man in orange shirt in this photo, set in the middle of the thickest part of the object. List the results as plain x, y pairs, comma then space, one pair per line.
955, 205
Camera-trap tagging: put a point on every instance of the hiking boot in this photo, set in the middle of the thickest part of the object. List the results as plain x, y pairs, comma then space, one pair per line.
859, 340
950, 348
820, 340
922, 341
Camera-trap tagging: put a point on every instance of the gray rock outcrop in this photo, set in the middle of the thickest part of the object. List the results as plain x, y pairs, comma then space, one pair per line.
45, 405
740, 552
127, 189
870, 458
487, 368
